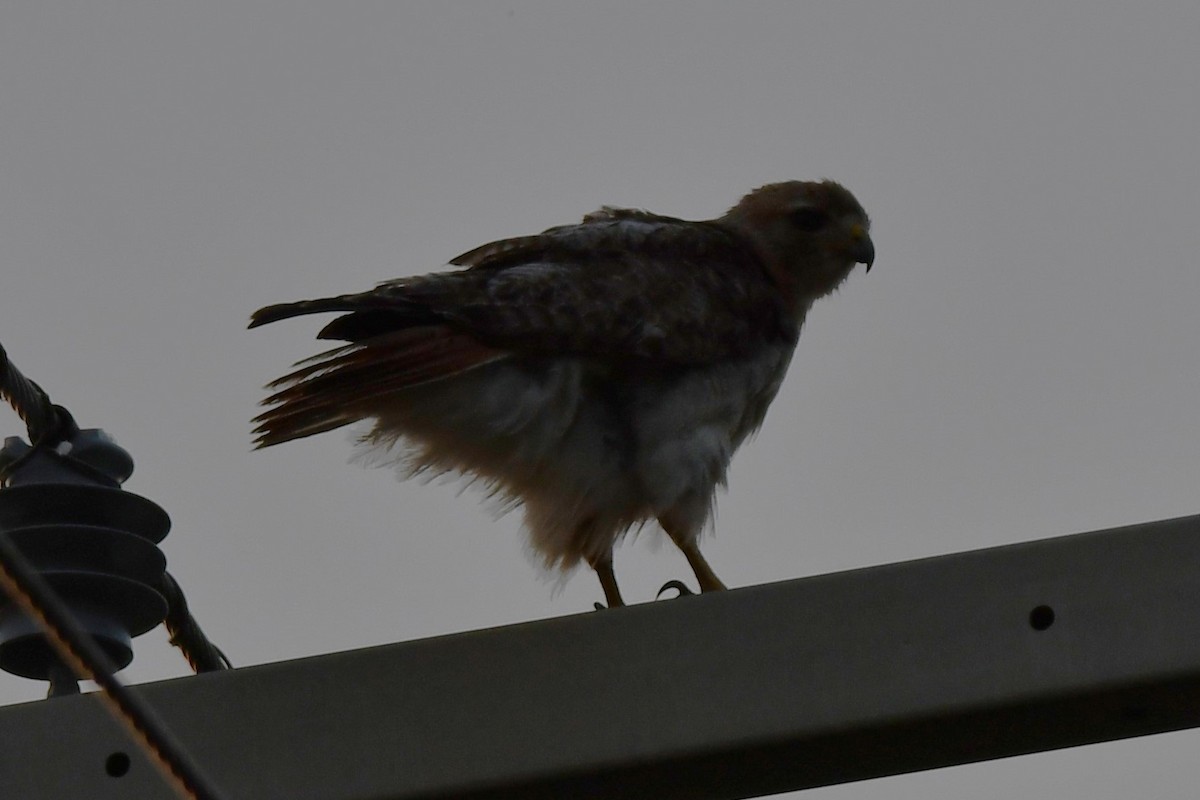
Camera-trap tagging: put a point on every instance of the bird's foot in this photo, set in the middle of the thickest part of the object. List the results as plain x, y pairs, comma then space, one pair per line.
678, 586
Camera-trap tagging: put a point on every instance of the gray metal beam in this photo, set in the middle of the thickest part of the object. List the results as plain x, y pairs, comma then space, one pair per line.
822, 680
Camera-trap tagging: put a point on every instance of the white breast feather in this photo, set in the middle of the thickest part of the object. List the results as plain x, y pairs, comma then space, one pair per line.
539, 433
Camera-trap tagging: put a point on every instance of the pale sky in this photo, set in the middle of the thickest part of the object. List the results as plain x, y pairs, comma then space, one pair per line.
1021, 362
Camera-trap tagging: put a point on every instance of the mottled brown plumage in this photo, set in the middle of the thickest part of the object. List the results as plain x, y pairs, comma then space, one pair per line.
600, 374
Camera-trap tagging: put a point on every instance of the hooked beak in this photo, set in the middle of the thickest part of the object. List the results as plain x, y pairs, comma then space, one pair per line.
862, 250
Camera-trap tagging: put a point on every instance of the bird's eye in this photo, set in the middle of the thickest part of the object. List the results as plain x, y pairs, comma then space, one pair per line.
807, 218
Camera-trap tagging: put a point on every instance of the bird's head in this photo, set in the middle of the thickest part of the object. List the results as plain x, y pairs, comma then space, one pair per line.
809, 235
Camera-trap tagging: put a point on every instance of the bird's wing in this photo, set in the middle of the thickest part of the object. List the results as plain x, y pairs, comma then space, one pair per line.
629, 289
621, 285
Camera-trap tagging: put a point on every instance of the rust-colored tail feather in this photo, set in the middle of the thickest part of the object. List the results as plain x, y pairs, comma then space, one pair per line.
351, 383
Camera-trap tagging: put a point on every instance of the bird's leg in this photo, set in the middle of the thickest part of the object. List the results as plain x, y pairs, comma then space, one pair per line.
708, 580
608, 580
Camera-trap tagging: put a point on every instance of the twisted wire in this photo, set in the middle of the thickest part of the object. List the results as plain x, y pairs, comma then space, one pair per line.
28, 399
201, 654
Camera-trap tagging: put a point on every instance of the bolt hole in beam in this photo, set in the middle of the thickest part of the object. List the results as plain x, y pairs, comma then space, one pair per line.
117, 764
1041, 618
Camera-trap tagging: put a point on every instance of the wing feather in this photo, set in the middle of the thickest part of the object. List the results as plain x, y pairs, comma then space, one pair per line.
625, 285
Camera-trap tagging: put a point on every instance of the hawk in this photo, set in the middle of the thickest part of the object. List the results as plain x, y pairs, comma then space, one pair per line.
601, 375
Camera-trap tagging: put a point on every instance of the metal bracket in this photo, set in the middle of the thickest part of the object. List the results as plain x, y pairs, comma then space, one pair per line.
764, 689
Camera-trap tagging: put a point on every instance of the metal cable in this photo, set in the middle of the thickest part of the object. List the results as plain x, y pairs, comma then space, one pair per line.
21, 582
185, 632
27, 399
